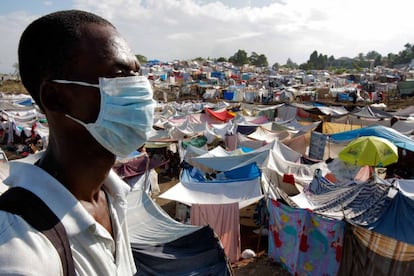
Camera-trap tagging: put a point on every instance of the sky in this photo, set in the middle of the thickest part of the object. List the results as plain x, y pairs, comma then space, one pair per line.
185, 29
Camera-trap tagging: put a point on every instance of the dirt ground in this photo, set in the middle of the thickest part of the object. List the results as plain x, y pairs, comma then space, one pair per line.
262, 264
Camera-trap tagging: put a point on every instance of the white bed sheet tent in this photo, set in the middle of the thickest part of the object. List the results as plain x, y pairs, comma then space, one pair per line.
191, 190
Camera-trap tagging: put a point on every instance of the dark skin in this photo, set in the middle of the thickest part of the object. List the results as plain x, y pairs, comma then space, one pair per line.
100, 53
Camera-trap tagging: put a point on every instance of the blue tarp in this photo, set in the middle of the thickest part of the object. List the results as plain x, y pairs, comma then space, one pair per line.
397, 221
248, 172
228, 95
399, 139
198, 253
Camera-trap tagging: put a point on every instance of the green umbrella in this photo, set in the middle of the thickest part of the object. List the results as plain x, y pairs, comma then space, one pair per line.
369, 150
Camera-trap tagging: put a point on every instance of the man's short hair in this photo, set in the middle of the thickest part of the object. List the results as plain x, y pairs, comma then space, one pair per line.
47, 46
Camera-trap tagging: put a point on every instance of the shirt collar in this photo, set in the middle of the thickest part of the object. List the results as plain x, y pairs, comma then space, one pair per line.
61, 201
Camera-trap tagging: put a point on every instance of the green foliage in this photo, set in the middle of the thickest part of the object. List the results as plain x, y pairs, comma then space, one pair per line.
369, 60
319, 61
16, 70
340, 71
258, 60
239, 58
142, 59
290, 64
199, 59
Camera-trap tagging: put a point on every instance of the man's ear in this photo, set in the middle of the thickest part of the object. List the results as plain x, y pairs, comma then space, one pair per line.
52, 97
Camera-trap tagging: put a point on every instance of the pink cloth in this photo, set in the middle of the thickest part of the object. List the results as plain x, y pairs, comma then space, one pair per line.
231, 142
363, 174
225, 221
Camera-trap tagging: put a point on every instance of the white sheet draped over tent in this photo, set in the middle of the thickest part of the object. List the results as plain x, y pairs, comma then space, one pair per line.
226, 163
258, 156
263, 134
244, 192
244, 141
150, 224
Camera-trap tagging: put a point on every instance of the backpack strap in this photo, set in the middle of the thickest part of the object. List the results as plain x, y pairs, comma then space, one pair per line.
34, 211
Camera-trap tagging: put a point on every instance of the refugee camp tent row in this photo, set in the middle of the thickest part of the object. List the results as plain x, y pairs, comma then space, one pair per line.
362, 206
223, 141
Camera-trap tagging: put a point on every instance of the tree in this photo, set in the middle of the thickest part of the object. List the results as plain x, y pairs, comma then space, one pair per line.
16, 70
275, 66
262, 61
253, 58
331, 61
258, 60
373, 55
313, 60
221, 59
240, 58
142, 59
290, 64
378, 60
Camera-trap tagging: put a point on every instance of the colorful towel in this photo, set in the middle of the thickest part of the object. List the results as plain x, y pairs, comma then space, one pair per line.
303, 242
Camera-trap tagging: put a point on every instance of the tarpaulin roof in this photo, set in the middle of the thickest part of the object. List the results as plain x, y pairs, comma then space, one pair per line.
195, 189
226, 163
399, 139
220, 115
369, 112
404, 112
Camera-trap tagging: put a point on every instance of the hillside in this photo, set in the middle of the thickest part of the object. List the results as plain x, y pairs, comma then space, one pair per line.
12, 87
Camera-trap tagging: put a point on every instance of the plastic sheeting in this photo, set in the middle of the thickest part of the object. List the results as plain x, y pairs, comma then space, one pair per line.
194, 190
230, 162
399, 139
198, 253
368, 253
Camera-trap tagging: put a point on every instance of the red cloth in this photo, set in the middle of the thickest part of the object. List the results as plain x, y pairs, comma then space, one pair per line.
220, 115
289, 178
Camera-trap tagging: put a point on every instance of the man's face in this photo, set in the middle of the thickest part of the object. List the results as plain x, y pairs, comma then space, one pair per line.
102, 52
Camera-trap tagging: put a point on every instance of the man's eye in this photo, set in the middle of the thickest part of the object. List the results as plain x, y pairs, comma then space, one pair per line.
126, 73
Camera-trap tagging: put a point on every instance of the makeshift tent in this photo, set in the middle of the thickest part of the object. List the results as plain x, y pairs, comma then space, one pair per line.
304, 243
235, 159
368, 253
217, 202
371, 113
378, 240
163, 246
399, 139
241, 185
222, 115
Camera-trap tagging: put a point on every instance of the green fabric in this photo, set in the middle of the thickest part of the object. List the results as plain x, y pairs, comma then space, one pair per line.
196, 142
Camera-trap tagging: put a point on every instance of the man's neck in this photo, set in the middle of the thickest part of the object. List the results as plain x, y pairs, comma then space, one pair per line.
75, 174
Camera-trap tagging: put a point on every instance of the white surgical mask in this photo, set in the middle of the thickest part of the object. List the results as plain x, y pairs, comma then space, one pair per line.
126, 113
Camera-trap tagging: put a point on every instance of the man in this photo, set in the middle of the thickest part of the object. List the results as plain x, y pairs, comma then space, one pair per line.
83, 75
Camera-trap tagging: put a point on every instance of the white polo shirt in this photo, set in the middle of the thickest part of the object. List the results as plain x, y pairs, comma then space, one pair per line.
25, 251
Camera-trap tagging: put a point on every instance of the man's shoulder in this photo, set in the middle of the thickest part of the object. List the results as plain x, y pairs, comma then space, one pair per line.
13, 226
23, 248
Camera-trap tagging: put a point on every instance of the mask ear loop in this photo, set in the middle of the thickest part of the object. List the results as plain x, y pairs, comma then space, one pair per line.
77, 82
